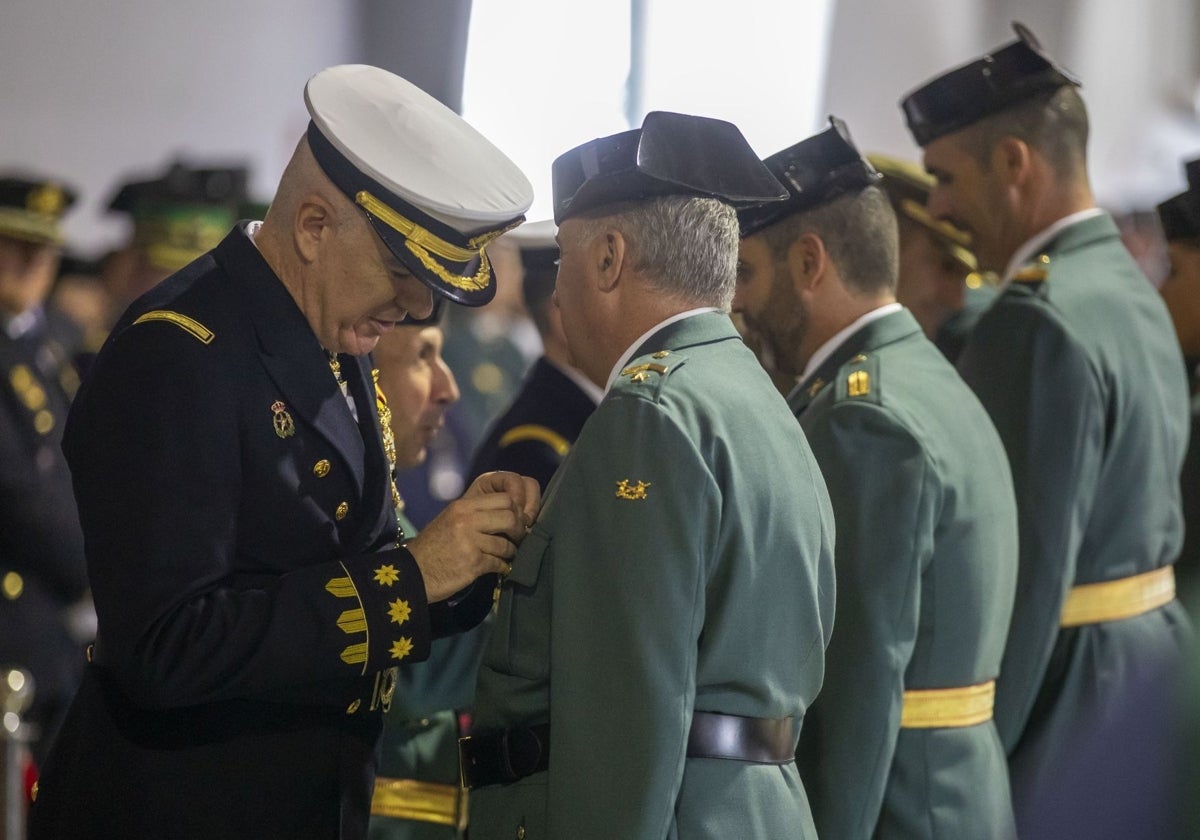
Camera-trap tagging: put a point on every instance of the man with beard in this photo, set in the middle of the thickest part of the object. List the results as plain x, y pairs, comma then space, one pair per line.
1078, 366
900, 743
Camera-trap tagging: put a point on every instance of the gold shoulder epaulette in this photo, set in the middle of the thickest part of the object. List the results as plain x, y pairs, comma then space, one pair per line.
1034, 272
188, 325
859, 379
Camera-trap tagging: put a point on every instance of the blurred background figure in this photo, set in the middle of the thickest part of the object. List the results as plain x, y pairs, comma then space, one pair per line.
534, 435
1180, 217
45, 615
80, 296
939, 278
417, 795
490, 348
175, 217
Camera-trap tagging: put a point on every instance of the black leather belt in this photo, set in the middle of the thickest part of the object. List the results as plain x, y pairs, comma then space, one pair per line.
500, 758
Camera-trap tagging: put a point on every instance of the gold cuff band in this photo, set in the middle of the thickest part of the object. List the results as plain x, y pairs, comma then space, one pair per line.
936, 708
1092, 603
409, 799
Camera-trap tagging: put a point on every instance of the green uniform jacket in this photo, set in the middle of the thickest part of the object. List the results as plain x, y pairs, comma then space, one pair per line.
683, 560
1083, 377
926, 570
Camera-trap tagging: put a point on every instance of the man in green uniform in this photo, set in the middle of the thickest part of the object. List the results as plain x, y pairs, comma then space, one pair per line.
1078, 366
1180, 217
663, 628
900, 742
417, 793
938, 280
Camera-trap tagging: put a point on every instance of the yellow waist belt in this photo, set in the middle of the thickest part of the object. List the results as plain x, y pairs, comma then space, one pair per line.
1092, 603
936, 708
409, 799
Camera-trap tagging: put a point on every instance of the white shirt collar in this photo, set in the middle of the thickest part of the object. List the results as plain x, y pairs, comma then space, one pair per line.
594, 392
1034, 244
628, 354
829, 347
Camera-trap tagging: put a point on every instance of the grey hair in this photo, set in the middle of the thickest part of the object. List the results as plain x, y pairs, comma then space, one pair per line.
860, 233
685, 246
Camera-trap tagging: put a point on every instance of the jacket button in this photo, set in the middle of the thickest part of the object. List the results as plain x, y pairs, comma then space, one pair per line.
341, 511
321, 468
520, 832
13, 585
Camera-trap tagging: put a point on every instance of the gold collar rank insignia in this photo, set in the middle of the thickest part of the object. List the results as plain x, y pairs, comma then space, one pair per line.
285, 426
638, 373
631, 492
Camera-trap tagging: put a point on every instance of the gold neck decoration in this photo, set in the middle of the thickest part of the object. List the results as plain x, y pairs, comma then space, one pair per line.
389, 449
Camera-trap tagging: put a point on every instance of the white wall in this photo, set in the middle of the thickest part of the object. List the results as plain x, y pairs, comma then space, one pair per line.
95, 90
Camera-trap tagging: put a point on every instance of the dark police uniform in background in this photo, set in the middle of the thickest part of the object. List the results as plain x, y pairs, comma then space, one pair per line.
900, 742
1078, 366
679, 576
537, 430
43, 576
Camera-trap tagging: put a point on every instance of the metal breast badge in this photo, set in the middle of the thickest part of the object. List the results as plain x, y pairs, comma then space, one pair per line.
282, 420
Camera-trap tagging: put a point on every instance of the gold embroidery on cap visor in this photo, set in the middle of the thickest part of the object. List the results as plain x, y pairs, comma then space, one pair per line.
425, 245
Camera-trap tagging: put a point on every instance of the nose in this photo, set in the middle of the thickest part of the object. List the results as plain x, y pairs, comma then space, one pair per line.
414, 297
445, 386
938, 204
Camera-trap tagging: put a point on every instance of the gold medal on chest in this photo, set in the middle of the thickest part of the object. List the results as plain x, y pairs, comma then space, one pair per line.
285, 427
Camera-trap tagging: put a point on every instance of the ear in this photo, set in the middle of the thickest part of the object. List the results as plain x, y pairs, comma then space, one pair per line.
608, 257
806, 262
1013, 158
313, 225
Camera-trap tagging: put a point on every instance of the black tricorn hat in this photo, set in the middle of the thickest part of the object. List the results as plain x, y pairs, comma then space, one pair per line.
1011, 74
815, 171
1180, 215
671, 154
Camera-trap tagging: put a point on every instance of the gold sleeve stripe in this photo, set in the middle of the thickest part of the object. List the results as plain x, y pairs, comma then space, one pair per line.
937, 708
355, 655
341, 587
352, 621
1113, 600
531, 431
190, 325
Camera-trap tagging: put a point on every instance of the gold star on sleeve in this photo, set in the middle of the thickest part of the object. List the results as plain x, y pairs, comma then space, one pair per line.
399, 610
386, 575
402, 647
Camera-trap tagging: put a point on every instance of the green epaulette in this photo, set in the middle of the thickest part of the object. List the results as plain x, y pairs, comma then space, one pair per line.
647, 375
858, 379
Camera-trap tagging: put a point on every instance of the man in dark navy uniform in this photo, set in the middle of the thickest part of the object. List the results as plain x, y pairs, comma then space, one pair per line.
43, 580
535, 433
253, 588
1077, 365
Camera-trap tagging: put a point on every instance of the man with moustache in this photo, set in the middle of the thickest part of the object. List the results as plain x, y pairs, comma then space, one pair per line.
1078, 366
253, 588
900, 742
